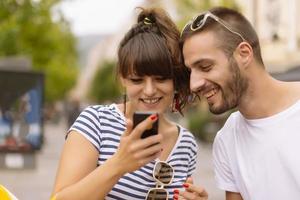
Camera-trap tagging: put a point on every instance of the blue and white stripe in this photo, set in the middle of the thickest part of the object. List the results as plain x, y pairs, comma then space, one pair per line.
103, 127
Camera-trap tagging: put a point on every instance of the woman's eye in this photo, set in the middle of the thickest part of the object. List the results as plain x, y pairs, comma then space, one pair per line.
136, 80
160, 78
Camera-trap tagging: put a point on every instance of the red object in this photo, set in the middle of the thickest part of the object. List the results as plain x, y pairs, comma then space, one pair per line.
154, 117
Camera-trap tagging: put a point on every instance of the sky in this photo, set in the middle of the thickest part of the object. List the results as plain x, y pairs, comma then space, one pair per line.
97, 16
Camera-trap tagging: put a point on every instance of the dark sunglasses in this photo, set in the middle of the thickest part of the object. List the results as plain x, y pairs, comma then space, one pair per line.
199, 21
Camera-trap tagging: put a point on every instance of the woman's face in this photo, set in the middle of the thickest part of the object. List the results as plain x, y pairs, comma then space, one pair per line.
149, 93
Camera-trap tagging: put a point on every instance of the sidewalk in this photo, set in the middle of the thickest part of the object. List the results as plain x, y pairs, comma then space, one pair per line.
36, 184
204, 174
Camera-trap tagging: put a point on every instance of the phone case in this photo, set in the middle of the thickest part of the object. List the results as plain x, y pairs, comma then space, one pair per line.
138, 117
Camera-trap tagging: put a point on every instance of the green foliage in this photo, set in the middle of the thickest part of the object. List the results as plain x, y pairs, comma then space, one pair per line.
60, 78
104, 86
197, 121
203, 124
27, 28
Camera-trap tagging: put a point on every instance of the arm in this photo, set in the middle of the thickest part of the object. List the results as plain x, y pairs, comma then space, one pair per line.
79, 177
233, 196
225, 179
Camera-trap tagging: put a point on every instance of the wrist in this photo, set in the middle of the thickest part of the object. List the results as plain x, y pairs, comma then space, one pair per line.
116, 167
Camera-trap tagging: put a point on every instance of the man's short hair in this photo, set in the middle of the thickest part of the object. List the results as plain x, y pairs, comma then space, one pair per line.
227, 39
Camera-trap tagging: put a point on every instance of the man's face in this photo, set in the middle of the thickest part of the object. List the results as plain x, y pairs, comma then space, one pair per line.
213, 76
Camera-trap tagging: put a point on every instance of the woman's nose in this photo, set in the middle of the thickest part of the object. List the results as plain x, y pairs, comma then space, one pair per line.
149, 87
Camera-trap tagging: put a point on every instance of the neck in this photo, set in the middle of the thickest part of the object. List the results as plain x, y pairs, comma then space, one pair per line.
266, 96
165, 123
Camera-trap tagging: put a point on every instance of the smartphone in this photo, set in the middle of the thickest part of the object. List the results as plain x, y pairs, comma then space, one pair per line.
138, 117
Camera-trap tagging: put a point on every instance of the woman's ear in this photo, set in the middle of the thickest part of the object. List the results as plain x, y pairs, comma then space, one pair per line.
244, 54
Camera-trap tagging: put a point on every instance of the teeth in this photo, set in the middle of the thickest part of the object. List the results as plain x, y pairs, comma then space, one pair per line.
210, 93
151, 101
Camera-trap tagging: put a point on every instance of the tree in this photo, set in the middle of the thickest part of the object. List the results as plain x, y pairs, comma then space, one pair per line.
104, 86
27, 28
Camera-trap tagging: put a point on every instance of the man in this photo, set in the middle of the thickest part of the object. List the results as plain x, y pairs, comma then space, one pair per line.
256, 152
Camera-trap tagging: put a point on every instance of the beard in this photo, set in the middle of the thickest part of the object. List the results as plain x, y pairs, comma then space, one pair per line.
232, 90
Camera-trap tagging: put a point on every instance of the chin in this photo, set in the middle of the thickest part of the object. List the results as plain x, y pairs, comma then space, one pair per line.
218, 109
221, 108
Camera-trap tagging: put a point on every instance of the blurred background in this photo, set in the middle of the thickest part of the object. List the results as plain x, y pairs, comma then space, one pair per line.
58, 56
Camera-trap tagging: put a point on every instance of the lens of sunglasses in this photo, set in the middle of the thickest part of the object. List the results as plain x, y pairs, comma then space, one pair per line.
163, 172
198, 22
157, 194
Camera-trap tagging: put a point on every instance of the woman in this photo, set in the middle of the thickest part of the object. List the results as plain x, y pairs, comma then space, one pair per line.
103, 156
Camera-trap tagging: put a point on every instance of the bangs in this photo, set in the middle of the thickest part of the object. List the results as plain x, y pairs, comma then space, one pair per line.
146, 55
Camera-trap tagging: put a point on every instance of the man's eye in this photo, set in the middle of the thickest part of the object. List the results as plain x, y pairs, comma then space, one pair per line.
206, 68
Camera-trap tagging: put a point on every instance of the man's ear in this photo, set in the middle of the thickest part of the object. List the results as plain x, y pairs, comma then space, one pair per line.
244, 54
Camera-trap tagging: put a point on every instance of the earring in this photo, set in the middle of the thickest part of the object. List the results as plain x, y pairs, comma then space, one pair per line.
124, 103
175, 104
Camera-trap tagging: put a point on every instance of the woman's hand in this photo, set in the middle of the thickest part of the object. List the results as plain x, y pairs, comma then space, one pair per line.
134, 152
191, 192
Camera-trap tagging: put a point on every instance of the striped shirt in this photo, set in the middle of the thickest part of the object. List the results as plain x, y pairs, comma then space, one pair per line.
103, 125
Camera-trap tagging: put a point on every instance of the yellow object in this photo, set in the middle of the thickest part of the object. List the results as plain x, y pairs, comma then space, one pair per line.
53, 198
5, 194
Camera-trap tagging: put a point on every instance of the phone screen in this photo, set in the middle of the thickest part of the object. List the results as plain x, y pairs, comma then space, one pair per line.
138, 117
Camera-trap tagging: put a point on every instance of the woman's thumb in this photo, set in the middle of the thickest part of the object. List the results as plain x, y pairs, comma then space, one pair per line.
129, 125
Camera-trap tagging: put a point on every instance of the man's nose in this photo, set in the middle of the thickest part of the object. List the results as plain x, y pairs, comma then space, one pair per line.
197, 82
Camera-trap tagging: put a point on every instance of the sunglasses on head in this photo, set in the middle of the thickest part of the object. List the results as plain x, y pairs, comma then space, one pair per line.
163, 173
199, 21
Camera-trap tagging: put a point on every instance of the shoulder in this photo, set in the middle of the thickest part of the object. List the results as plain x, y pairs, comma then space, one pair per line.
227, 132
102, 111
100, 108
96, 120
186, 133
297, 85
289, 88
187, 136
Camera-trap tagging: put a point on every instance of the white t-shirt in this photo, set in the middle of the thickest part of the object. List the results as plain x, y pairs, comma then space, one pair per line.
260, 159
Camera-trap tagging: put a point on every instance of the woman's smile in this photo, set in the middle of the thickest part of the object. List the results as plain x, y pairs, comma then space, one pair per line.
151, 100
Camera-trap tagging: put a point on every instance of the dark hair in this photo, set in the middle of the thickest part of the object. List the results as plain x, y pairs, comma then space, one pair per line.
229, 41
151, 47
